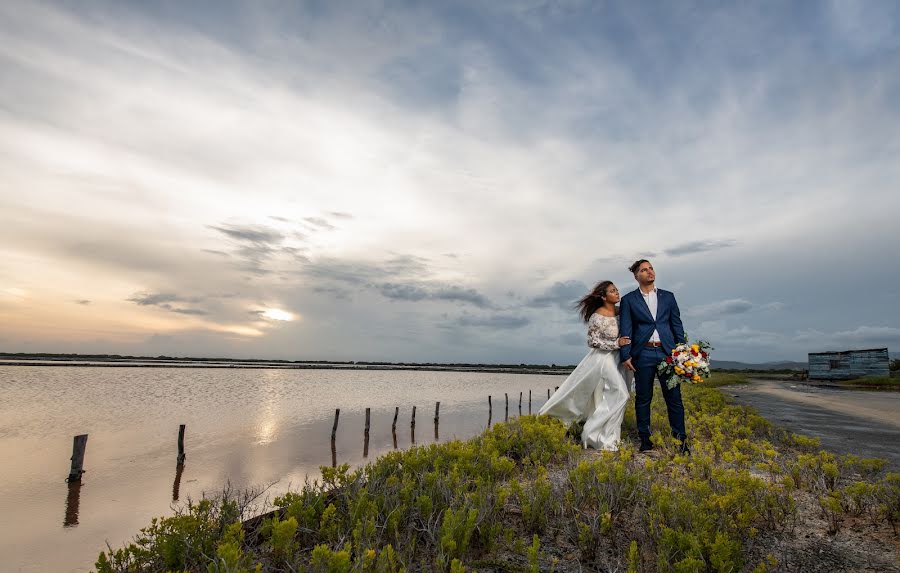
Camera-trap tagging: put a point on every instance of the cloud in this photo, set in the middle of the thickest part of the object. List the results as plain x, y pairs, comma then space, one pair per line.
403, 292
460, 294
253, 234
165, 300
417, 293
729, 307
189, 311
573, 339
319, 222
562, 294
496, 322
529, 143
157, 299
694, 247
860, 336
724, 307
255, 245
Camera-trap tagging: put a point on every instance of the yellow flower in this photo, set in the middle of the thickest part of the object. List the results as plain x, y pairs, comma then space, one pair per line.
695, 347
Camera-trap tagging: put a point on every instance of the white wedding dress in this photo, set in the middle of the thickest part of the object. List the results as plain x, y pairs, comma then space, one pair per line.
597, 390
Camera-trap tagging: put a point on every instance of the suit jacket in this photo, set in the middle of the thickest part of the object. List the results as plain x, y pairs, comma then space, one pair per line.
636, 322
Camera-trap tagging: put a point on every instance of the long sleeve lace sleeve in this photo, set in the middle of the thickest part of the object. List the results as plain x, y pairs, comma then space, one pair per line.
603, 332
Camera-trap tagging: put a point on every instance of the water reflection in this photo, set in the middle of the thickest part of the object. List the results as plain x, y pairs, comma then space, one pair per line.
73, 500
248, 427
179, 469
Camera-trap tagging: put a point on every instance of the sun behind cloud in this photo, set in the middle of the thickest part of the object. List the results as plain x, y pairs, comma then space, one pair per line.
277, 314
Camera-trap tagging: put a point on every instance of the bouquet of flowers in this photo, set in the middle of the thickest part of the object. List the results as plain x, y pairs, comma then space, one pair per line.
687, 363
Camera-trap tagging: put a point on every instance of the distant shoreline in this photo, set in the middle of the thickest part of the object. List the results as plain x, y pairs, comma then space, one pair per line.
120, 361
136, 362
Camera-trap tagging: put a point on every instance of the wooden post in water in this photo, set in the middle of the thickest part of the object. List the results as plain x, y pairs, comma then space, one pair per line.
73, 499
413, 422
520, 404
366, 444
548, 393
529, 402
394, 425
181, 455
412, 427
78, 446
437, 417
337, 415
176, 485
490, 411
506, 414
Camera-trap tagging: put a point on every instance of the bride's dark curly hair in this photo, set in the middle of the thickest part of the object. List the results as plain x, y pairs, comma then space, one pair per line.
593, 300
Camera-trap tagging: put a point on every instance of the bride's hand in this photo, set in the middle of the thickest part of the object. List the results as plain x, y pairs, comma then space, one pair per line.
624, 341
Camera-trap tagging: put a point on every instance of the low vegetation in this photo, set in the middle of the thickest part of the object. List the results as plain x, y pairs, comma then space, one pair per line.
886, 382
524, 497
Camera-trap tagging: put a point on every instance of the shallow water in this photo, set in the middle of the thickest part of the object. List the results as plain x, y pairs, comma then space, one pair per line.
251, 427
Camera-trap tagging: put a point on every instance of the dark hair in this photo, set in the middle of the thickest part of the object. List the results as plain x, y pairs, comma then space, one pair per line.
593, 300
634, 267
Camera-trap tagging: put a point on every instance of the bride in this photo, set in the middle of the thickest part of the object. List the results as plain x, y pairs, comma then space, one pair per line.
597, 390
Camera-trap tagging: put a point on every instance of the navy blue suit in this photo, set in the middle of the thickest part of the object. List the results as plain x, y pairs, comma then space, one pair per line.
637, 323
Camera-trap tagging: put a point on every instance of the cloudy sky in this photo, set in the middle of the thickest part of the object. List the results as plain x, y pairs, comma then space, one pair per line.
439, 181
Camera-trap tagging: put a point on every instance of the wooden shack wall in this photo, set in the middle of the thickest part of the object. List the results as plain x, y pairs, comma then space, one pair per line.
848, 365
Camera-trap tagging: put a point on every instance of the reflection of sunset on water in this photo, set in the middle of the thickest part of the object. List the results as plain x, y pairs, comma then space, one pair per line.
249, 427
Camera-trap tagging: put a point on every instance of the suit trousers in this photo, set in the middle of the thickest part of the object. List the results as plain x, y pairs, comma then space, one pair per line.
645, 365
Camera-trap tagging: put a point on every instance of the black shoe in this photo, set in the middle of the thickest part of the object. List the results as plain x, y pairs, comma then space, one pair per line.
684, 450
646, 445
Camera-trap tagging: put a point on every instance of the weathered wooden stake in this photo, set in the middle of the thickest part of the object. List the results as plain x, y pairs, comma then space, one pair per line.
176, 486
490, 411
181, 455
337, 415
333, 454
529, 402
366, 442
520, 404
437, 411
548, 393
396, 413
73, 499
506, 414
413, 422
78, 446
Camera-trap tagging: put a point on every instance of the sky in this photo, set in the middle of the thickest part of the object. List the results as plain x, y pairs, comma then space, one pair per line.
440, 181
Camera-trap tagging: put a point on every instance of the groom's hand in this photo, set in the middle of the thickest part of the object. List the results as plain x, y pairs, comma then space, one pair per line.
628, 366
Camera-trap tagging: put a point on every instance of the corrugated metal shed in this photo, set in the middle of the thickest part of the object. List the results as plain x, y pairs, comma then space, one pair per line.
849, 364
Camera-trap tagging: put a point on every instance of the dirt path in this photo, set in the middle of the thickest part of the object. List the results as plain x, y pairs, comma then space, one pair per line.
846, 421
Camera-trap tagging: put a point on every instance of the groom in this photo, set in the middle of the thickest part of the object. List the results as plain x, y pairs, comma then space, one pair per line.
650, 317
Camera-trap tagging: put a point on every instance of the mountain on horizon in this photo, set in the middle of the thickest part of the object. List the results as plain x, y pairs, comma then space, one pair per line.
779, 365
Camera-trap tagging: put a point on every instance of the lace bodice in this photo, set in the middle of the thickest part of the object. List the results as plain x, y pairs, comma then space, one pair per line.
603, 332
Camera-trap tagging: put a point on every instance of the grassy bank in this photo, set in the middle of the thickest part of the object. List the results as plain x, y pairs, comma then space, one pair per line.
523, 497
882, 382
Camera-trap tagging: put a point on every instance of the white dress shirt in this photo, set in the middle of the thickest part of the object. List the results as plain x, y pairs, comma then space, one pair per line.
653, 303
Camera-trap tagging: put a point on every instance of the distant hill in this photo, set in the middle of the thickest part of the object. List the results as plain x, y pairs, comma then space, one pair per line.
732, 365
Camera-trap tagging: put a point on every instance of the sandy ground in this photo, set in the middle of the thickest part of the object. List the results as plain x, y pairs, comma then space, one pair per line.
864, 423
